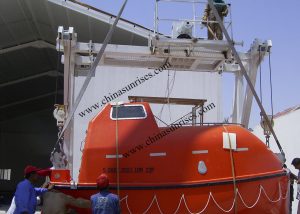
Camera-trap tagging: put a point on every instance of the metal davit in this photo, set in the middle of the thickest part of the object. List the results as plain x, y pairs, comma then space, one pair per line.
184, 166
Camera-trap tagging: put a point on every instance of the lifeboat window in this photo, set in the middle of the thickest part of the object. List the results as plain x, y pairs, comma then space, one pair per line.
128, 112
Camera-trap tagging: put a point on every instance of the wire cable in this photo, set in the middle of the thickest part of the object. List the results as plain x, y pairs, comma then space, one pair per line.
57, 74
161, 120
271, 87
260, 76
231, 25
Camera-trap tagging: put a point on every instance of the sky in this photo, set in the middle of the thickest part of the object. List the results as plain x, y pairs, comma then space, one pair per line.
262, 19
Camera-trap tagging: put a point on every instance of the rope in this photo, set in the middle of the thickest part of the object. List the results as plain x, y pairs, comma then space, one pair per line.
199, 211
126, 198
211, 197
182, 198
226, 211
232, 169
68, 91
168, 96
154, 199
253, 205
117, 151
273, 201
168, 91
271, 87
212, 32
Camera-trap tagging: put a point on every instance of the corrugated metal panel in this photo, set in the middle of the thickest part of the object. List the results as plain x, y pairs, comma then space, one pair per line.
22, 22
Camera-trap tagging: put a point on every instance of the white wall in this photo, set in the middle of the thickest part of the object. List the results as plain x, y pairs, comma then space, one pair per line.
287, 129
108, 80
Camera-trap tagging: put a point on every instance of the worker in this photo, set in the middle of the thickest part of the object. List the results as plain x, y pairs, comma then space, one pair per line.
56, 202
292, 178
296, 164
25, 199
214, 30
104, 202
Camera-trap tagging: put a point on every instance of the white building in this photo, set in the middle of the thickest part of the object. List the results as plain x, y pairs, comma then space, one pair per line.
287, 129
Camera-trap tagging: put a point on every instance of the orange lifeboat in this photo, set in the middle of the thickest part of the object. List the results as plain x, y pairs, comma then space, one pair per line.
178, 169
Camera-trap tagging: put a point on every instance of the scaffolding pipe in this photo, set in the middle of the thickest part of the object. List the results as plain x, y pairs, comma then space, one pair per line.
156, 18
91, 71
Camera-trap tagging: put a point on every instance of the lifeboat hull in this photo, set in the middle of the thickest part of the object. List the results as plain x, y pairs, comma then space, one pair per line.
178, 169
261, 194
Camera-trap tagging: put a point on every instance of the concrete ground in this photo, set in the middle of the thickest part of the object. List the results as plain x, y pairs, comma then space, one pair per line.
4, 208
5, 201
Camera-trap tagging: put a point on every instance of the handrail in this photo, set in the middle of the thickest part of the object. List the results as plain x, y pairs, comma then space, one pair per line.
195, 21
211, 124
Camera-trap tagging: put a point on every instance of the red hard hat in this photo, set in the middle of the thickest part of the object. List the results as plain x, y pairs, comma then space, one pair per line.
42, 172
102, 181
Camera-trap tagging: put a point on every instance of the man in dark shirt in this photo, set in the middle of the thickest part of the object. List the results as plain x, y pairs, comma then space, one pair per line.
296, 164
104, 202
214, 30
293, 178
